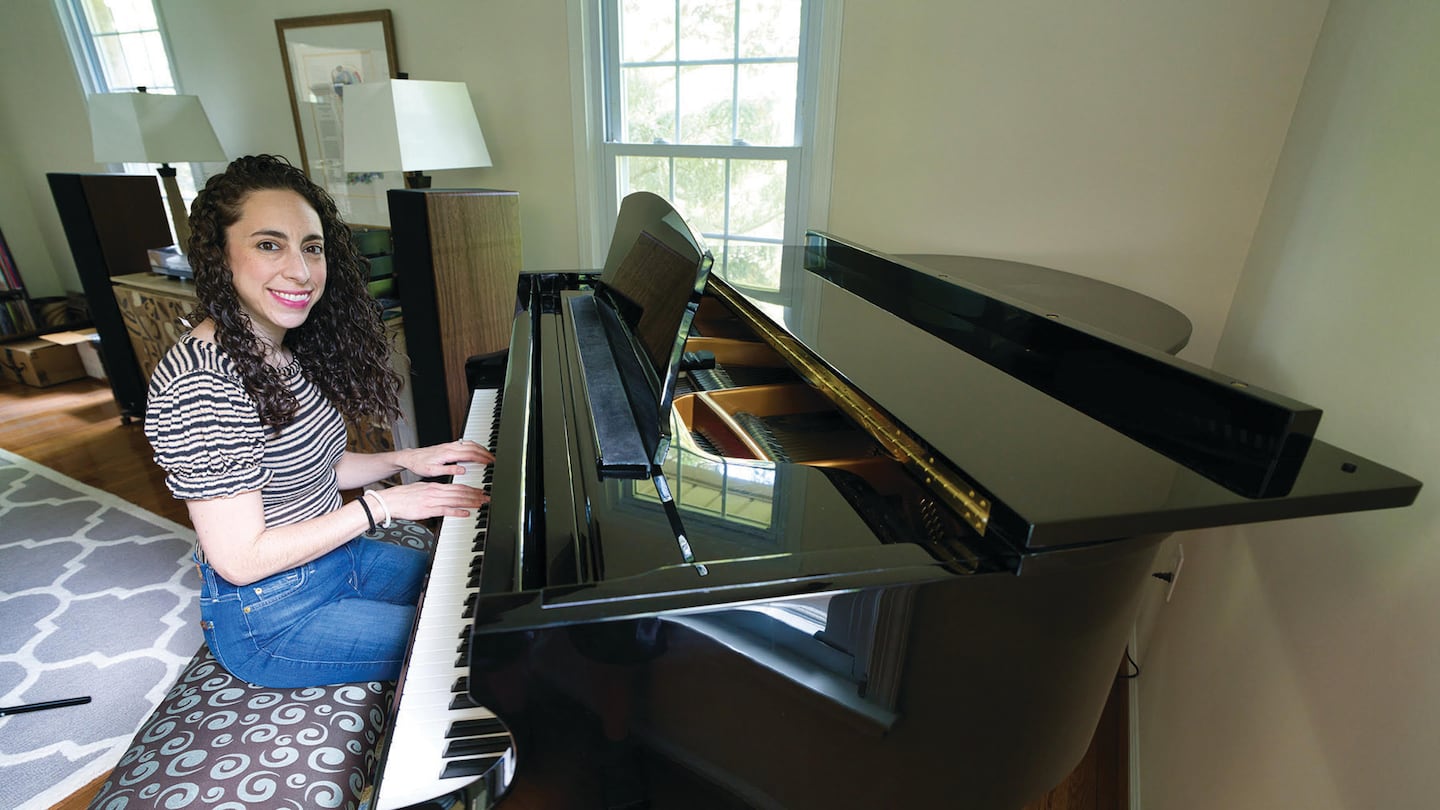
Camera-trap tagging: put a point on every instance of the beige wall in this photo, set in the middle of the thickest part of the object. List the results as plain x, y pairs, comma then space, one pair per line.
1131, 142
43, 127
513, 56
1297, 665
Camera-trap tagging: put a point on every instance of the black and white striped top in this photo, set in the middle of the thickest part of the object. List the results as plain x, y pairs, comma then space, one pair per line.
207, 436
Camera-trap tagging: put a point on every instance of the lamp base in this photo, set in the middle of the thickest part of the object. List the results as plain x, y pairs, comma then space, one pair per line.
178, 215
417, 180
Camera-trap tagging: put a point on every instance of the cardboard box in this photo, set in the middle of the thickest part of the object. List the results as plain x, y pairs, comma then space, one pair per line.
44, 361
89, 351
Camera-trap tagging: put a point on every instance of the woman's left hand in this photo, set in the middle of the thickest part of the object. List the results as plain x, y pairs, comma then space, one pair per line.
446, 459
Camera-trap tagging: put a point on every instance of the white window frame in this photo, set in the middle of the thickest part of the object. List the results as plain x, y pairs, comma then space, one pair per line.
596, 157
90, 71
83, 52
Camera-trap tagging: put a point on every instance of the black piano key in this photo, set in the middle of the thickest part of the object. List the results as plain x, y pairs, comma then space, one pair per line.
479, 727
480, 746
462, 660
468, 767
469, 612
462, 702
461, 685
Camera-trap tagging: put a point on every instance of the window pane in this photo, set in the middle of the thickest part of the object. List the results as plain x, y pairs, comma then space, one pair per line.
766, 115
769, 28
650, 174
708, 30
706, 109
148, 65
132, 15
649, 105
753, 265
712, 78
700, 195
647, 31
113, 63
97, 15
749, 495
137, 59
110, 16
757, 198
699, 491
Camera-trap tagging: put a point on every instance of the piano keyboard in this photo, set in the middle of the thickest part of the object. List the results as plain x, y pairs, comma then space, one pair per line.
440, 741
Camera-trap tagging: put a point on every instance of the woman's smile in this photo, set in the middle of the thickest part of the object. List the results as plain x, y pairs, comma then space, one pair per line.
276, 251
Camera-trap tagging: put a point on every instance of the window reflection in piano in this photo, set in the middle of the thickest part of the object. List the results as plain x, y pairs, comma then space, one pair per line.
737, 493
847, 647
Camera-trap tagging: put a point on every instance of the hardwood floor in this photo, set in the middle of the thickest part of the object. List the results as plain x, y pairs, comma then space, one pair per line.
75, 429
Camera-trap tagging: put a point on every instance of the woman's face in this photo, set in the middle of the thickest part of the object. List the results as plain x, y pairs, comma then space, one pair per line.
277, 260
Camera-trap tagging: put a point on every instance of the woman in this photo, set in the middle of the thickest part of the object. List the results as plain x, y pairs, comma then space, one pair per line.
245, 416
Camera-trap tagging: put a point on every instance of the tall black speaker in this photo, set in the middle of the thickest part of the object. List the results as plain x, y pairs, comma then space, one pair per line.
110, 221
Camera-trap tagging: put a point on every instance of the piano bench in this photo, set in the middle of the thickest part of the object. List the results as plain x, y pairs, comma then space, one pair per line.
217, 740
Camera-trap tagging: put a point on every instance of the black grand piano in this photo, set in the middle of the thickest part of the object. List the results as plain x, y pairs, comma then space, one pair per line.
873, 539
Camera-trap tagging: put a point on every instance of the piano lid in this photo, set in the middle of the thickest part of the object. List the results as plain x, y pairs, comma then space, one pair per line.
1075, 435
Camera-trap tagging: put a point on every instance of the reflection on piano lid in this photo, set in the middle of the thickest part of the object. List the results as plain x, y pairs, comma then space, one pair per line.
891, 546
1248, 440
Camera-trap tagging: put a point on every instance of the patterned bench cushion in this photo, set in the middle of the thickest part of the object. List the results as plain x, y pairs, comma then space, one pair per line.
217, 741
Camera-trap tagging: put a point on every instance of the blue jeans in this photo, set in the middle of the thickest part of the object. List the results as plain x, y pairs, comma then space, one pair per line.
343, 618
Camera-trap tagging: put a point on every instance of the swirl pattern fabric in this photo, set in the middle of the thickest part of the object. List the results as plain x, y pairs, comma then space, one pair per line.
219, 742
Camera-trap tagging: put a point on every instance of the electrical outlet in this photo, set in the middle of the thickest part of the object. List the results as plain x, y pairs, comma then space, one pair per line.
1175, 571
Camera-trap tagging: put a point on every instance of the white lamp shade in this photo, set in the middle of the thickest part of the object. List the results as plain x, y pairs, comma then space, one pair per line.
151, 128
411, 125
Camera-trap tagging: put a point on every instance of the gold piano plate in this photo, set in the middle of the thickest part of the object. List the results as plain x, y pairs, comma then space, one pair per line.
958, 493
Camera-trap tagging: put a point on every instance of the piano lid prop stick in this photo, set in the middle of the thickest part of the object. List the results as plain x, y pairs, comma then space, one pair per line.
672, 513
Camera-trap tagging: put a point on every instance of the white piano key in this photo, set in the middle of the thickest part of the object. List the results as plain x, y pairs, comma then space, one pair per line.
414, 759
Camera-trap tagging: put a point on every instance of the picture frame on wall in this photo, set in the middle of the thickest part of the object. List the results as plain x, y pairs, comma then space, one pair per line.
323, 54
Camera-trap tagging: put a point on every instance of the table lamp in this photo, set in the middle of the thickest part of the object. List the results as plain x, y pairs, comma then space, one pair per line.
159, 128
411, 126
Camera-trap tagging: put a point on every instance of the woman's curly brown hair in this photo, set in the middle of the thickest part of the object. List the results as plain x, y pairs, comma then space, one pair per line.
341, 347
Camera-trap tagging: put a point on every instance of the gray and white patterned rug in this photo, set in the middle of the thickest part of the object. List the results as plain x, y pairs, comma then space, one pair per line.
98, 597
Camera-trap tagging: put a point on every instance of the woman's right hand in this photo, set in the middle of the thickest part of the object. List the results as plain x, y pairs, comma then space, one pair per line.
425, 500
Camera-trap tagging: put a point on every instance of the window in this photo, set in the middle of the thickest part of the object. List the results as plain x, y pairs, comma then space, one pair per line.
118, 47
709, 104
